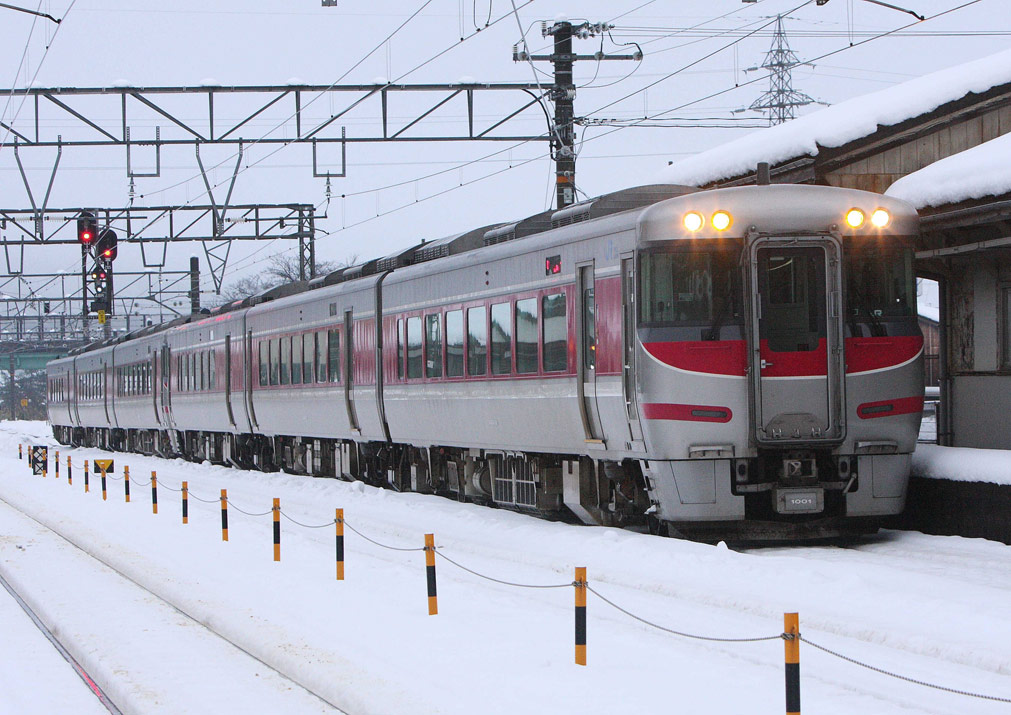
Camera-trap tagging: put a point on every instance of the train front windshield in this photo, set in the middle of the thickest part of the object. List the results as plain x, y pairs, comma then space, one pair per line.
697, 290
880, 287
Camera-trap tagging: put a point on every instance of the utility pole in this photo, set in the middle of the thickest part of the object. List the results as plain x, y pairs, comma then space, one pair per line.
194, 285
563, 94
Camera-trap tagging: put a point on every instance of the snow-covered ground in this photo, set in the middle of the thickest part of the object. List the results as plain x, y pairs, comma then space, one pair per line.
933, 608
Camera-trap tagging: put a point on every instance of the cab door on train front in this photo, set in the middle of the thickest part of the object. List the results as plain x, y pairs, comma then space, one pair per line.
796, 340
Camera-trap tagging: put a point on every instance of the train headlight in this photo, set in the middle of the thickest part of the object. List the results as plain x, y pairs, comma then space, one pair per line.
721, 220
693, 221
880, 218
854, 218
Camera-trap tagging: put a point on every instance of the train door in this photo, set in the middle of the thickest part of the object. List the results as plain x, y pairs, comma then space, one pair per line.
349, 370
166, 386
228, 379
66, 396
247, 376
105, 391
586, 360
628, 346
796, 350
77, 396
154, 389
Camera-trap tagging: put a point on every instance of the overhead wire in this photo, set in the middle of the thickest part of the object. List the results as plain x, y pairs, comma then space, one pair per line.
655, 115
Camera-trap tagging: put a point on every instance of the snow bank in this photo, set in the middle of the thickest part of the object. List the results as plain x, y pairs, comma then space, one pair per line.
962, 464
971, 174
842, 123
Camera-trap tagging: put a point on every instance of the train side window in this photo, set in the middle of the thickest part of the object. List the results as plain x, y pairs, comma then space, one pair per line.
264, 363
400, 348
321, 361
213, 380
526, 335
275, 362
296, 360
286, 360
334, 346
205, 372
308, 352
554, 333
414, 356
477, 341
454, 343
433, 346
501, 340
590, 329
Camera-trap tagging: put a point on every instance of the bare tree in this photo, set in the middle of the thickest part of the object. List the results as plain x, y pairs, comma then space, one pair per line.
281, 269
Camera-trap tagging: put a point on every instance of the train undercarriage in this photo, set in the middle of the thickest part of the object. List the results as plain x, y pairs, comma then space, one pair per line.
558, 487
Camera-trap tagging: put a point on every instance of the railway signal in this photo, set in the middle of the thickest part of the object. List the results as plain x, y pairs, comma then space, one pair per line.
87, 230
106, 248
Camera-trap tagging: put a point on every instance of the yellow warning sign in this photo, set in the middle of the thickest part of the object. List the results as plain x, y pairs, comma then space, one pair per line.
101, 317
24, 402
106, 465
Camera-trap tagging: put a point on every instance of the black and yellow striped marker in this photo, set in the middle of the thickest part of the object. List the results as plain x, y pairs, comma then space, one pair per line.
339, 521
86, 487
104, 493
186, 503
21, 454
57, 464
433, 601
580, 583
224, 515
154, 492
791, 639
277, 529
70, 471
30, 457
126, 483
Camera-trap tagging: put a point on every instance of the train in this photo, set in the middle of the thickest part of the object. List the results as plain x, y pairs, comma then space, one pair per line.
730, 363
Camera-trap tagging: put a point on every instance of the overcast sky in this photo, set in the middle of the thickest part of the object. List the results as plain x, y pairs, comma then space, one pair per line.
187, 42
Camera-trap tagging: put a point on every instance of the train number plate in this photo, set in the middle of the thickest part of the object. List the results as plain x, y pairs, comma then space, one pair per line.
799, 501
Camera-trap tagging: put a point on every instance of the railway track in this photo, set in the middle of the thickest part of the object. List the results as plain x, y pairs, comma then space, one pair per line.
129, 670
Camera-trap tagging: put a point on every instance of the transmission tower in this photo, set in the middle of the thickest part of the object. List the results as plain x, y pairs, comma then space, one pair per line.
780, 100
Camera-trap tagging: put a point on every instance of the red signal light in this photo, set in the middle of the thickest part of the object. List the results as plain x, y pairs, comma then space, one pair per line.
86, 237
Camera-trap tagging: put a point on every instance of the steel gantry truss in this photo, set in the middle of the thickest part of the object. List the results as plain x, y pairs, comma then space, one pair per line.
152, 228
94, 126
142, 121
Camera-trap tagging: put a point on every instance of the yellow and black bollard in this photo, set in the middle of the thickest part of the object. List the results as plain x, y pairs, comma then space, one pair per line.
277, 529
105, 494
154, 492
21, 455
339, 520
57, 464
580, 584
126, 483
186, 503
86, 487
433, 601
70, 472
224, 515
791, 639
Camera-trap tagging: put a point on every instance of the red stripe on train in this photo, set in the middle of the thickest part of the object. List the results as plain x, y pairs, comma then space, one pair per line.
687, 413
730, 357
888, 408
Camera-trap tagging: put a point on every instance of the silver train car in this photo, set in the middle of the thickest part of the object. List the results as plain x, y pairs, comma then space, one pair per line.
731, 363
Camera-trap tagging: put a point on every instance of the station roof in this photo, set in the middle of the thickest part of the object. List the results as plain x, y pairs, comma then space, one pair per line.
842, 124
977, 173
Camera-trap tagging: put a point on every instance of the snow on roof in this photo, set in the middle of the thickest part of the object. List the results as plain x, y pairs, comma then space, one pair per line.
984, 170
841, 123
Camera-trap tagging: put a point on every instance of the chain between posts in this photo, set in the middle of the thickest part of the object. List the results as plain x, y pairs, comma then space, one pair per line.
905, 678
